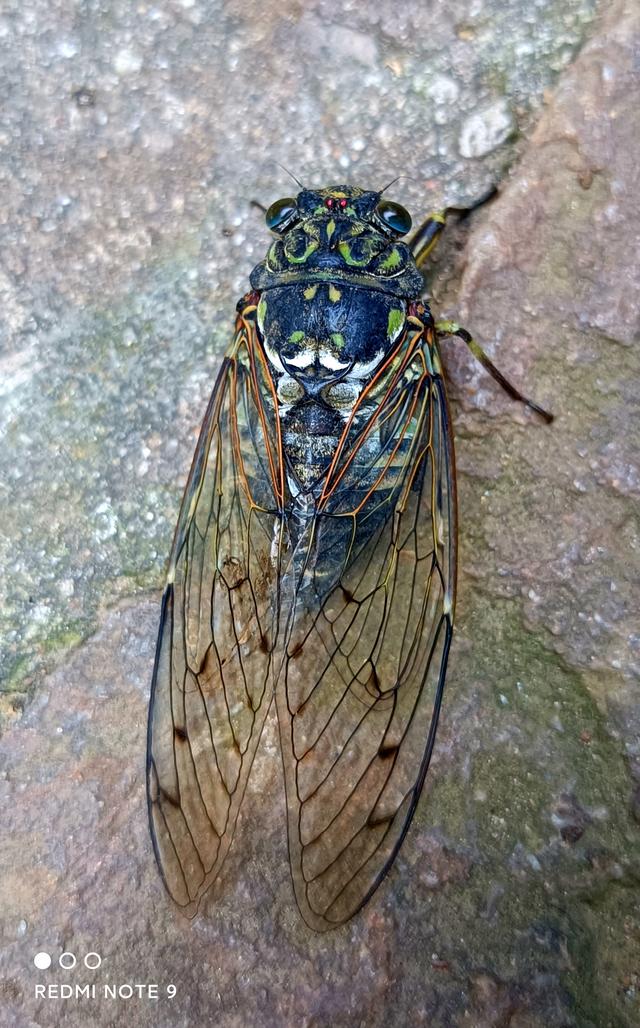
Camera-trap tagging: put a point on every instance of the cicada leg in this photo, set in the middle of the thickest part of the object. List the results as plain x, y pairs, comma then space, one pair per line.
425, 239
451, 328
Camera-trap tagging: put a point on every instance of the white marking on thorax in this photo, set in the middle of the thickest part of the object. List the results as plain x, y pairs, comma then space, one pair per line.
308, 357
360, 370
273, 356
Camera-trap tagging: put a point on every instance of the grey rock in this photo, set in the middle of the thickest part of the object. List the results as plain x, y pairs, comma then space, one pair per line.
485, 130
513, 900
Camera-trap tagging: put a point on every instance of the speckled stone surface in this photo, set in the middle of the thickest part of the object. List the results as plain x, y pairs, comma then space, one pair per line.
133, 142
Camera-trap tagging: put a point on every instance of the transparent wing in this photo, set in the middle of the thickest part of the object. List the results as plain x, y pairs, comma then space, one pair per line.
365, 648
212, 683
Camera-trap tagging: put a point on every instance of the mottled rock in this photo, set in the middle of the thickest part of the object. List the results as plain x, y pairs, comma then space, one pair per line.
514, 900
486, 130
127, 62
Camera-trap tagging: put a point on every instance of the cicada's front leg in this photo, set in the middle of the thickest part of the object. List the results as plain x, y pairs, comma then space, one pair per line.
423, 243
426, 237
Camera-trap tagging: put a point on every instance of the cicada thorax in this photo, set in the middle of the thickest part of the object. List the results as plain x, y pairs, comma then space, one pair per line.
333, 301
350, 386
324, 342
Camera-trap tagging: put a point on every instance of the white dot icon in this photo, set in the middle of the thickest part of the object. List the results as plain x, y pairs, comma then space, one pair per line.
42, 961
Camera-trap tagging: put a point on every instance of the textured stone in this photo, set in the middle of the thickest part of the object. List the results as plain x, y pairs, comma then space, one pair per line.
485, 130
514, 900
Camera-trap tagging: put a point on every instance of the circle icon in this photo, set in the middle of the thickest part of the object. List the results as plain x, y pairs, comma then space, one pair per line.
95, 962
67, 960
42, 961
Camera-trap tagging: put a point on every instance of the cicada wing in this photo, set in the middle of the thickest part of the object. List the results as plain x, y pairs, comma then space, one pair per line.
212, 682
366, 647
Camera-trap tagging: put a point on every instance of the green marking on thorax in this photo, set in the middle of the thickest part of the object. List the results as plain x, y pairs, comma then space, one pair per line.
313, 245
392, 260
337, 339
334, 293
262, 310
395, 323
348, 258
296, 337
310, 292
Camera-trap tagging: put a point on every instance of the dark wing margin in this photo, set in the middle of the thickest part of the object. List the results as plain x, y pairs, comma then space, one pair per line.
212, 682
366, 648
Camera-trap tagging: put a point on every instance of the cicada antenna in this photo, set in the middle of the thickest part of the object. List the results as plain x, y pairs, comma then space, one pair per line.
290, 174
396, 179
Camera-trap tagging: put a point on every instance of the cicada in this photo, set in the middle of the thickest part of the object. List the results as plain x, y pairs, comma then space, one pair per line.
314, 560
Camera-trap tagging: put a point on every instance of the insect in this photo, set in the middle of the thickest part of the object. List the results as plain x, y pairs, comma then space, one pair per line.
314, 560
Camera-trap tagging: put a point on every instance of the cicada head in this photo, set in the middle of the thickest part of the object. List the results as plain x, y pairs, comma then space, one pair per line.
339, 234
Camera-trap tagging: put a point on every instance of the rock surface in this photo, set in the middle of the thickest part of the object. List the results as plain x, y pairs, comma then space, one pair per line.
515, 898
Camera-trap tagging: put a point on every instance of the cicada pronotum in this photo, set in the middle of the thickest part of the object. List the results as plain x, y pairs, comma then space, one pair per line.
314, 560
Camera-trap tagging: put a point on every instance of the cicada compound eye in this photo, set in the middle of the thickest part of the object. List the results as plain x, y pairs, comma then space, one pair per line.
281, 213
394, 217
